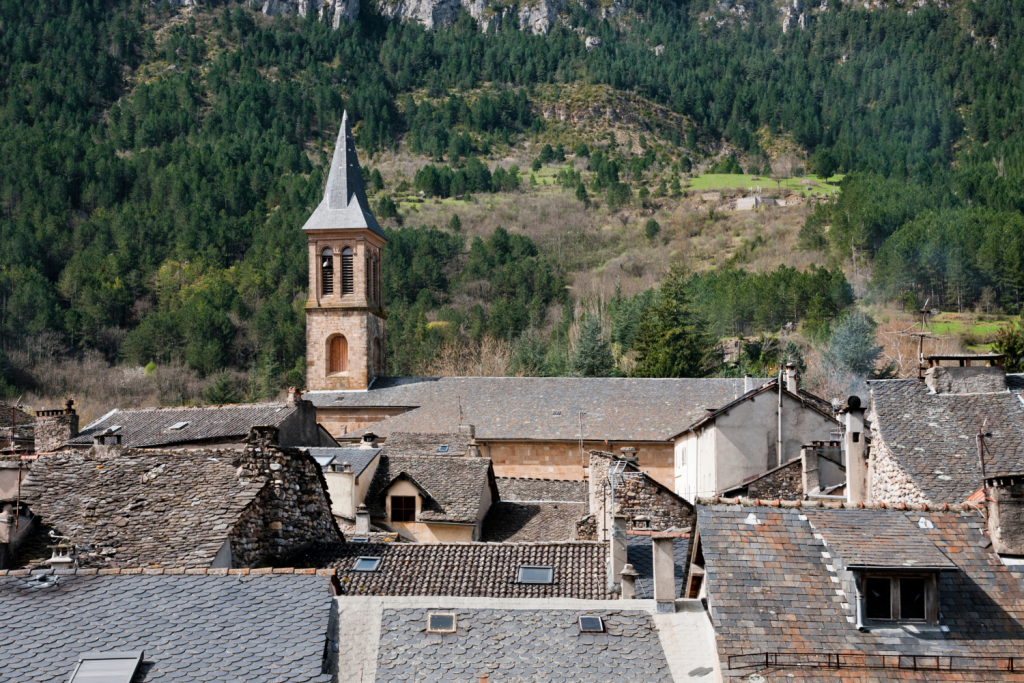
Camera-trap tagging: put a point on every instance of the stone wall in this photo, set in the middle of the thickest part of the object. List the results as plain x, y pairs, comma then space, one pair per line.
291, 511
890, 483
53, 432
645, 503
586, 529
785, 483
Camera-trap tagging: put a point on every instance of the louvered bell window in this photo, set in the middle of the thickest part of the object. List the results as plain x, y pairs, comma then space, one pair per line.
327, 272
347, 274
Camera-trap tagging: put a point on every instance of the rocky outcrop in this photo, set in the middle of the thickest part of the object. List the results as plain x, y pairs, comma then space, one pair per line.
337, 10
534, 16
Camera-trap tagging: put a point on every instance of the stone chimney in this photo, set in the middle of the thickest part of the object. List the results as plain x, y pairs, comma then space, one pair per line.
54, 428
362, 520
294, 395
629, 582
791, 377
664, 573
811, 478
369, 440
965, 380
617, 549
858, 488
1005, 496
472, 448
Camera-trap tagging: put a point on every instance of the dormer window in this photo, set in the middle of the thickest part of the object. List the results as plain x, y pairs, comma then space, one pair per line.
900, 598
403, 508
327, 272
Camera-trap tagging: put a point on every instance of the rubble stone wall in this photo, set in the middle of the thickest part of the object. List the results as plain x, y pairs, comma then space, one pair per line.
638, 497
53, 432
291, 511
785, 483
890, 483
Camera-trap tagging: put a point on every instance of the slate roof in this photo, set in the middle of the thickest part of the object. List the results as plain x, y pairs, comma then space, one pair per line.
640, 554
531, 522
344, 204
538, 490
617, 408
464, 569
359, 458
771, 588
146, 427
209, 628
20, 416
865, 538
404, 443
455, 485
152, 508
932, 436
525, 645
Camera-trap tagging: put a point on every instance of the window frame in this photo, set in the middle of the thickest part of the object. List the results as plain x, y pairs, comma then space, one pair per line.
453, 629
376, 559
600, 621
326, 263
412, 514
112, 655
549, 568
931, 597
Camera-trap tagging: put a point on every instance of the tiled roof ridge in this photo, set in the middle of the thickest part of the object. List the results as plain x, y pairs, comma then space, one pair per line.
840, 505
533, 478
168, 571
204, 407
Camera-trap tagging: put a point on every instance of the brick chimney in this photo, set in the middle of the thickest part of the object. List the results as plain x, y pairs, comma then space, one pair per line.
858, 488
1005, 496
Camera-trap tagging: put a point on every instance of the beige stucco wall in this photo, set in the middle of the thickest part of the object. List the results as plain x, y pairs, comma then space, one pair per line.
9, 478
563, 460
347, 490
742, 443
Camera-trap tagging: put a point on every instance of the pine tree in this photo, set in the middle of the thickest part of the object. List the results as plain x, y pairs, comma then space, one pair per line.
222, 390
581, 195
593, 355
852, 350
673, 339
455, 224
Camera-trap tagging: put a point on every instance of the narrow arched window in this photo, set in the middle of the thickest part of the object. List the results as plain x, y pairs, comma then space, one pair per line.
337, 355
347, 281
327, 272
366, 271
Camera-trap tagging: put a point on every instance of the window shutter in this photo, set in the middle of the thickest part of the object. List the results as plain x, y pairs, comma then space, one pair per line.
347, 281
327, 272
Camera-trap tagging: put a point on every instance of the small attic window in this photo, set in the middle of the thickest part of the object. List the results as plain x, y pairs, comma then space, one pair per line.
536, 574
109, 667
359, 539
591, 625
179, 425
441, 622
113, 429
444, 448
366, 564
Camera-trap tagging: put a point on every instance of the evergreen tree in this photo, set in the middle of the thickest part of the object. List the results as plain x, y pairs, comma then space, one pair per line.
852, 350
581, 195
593, 355
673, 339
222, 390
652, 228
455, 224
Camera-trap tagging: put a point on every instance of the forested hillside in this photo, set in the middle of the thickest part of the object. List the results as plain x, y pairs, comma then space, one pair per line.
157, 164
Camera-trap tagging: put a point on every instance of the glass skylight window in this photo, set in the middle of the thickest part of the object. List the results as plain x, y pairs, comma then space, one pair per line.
591, 625
536, 574
441, 622
359, 539
366, 564
443, 449
179, 425
106, 667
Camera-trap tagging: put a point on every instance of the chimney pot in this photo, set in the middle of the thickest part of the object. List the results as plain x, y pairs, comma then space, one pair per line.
791, 378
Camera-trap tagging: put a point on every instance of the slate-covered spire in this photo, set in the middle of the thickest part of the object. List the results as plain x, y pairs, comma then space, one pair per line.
344, 204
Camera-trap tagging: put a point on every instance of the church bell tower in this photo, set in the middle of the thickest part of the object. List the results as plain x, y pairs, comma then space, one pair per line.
344, 313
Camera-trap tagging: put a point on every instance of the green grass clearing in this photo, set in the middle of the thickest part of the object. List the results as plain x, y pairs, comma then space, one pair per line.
721, 181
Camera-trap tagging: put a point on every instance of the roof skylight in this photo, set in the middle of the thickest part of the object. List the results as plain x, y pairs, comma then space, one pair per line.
179, 425
536, 574
366, 564
591, 625
443, 449
106, 667
359, 539
441, 622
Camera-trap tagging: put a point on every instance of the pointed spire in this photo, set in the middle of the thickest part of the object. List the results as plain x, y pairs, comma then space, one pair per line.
344, 204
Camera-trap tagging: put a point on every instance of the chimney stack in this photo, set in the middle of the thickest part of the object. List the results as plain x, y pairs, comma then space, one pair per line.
791, 377
294, 395
811, 478
629, 582
362, 520
1005, 496
858, 488
664, 573
472, 448
748, 384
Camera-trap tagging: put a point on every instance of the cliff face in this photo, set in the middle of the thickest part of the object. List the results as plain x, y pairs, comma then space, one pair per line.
533, 16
